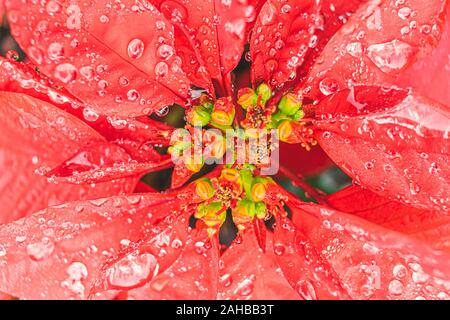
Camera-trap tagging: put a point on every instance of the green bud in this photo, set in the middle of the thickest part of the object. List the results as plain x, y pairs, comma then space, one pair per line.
261, 210
298, 115
289, 104
265, 92
198, 116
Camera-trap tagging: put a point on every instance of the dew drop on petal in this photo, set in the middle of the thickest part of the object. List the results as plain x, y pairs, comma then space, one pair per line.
165, 51
90, 115
245, 287
226, 280
400, 271
267, 15
77, 271
328, 86
132, 270
390, 56
278, 249
2, 251
40, 250
65, 72
161, 69
163, 111
55, 50
395, 287
135, 48
306, 290
132, 95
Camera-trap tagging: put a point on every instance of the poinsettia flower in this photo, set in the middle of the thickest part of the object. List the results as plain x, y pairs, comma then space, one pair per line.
341, 74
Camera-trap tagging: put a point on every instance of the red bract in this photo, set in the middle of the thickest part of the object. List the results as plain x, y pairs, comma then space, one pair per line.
366, 80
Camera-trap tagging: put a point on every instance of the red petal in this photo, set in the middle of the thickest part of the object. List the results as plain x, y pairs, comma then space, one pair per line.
192, 276
35, 134
22, 77
104, 162
143, 261
281, 39
142, 187
305, 163
333, 15
218, 32
129, 67
55, 253
246, 272
431, 75
392, 142
180, 176
303, 267
373, 262
429, 226
380, 40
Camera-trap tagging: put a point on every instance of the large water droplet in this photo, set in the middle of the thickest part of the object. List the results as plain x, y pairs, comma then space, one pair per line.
267, 15
328, 86
40, 250
135, 48
395, 287
390, 56
65, 72
132, 270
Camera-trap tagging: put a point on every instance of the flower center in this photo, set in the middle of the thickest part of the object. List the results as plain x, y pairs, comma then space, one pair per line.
238, 190
251, 136
249, 147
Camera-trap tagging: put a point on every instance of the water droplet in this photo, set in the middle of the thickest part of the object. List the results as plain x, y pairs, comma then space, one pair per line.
132, 270
165, 51
2, 251
135, 48
328, 86
245, 287
420, 277
65, 72
267, 15
161, 69
176, 244
279, 249
104, 19
55, 50
389, 56
90, 115
395, 287
163, 111
306, 290
226, 280
123, 81
400, 271
77, 271
52, 7
132, 95
404, 13
286, 8
40, 250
